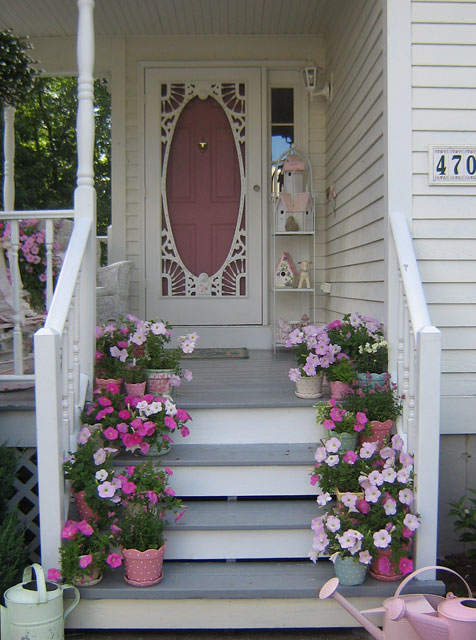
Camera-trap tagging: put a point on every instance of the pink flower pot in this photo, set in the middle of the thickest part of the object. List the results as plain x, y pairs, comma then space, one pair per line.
380, 432
382, 567
84, 510
101, 383
88, 580
158, 381
135, 389
339, 389
143, 568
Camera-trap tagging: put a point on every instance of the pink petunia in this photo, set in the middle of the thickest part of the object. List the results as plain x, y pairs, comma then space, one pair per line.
111, 434
54, 575
184, 431
85, 561
85, 528
128, 487
124, 414
169, 491
114, 560
104, 402
69, 530
383, 565
180, 515
405, 565
84, 435
350, 457
170, 423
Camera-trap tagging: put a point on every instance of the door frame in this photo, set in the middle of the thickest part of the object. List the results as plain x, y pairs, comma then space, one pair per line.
263, 258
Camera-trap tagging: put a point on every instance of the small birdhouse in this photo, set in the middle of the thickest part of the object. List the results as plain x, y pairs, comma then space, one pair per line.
293, 170
285, 272
299, 209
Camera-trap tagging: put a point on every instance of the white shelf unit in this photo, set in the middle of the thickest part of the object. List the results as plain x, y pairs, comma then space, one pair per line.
290, 303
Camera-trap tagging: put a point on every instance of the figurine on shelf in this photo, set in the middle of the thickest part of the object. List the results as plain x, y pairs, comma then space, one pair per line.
304, 278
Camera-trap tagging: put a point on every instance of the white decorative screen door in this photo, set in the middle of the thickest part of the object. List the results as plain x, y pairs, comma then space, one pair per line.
203, 196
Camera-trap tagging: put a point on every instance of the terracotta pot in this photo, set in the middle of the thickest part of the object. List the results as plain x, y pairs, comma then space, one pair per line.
339, 389
309, 387
379, 433
382, 567
101, 383
84, 510
135, 389
143, 568
158, 381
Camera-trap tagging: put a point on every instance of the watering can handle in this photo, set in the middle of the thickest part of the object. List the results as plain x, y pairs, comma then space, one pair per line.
40, 580
423, 569
75, 601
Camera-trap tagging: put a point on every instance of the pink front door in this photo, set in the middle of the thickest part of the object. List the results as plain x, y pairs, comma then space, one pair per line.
204, 202
203, 186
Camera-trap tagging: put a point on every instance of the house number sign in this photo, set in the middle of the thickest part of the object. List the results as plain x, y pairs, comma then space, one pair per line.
452, 165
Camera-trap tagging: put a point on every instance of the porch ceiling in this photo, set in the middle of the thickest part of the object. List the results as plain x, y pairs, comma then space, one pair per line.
46, 18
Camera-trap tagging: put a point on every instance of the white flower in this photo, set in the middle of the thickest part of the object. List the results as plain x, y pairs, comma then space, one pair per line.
367, 450
170, 408
332, 460
323, 499
411, 522
313, 555
333, 445
188, 375
317, 524
382, 539
376, 478
405, 496
99, 457
372, 494
101, 475
320, 541
347, 539
333, 523
390, 507
397, 442
155, 407
389, 474
349, 500
403, 474
387, 452
321, 454
365, 557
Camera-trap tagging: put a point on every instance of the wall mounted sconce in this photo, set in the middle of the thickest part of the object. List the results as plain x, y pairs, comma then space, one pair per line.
310, 77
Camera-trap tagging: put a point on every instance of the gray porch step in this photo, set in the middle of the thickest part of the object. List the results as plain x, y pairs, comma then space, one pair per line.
244, 580
208, 455
226, 515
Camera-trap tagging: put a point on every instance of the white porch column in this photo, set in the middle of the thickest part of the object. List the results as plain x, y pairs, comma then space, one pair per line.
85, 194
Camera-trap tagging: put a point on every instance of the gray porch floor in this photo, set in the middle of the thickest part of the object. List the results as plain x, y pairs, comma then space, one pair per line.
258, 381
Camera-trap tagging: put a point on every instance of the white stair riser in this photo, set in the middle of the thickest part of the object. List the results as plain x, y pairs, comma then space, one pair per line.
242, 544
246, 613
242, 481
251, 426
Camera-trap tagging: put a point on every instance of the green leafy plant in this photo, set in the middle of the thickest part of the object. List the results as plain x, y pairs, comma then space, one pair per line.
336, 469
342, 371
141, 530
380, 403
84, 548
16, 70
13, 551
464, 513
134, 374
111, 351
353, 331
336, 419
373, 356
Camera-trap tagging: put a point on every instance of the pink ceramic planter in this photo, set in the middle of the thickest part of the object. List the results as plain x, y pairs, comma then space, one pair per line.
135, 389
380, 432
143, 568
339, 389
84, 510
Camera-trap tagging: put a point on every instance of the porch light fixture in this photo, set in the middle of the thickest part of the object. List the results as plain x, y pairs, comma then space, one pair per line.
310, 77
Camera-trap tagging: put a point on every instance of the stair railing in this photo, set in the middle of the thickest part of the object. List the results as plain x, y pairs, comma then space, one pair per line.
418, 374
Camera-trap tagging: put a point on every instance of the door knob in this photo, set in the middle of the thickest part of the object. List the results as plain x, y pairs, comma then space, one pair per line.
257, 187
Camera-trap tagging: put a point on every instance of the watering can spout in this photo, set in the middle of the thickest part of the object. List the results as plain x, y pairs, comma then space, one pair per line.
330, 590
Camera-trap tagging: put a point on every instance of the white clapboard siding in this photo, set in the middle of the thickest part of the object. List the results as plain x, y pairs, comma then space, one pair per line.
354, 230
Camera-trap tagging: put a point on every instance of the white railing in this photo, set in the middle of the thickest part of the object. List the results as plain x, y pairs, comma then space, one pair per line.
21, 315
418, 375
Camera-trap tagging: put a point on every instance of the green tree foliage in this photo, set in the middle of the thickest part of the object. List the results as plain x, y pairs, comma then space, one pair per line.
45, 147
16, 71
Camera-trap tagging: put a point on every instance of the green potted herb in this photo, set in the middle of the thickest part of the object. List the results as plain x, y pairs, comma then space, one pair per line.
135, 380
372, 360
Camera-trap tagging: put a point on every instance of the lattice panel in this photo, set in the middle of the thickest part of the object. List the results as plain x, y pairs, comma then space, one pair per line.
26, 498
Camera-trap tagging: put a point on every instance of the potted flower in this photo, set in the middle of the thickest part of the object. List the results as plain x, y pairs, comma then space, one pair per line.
353, 331
371, 362
147, 500
381, 404
135, 379
340, 375
111, 355
314, 354
341, 422
387, 505
149, 348
85, 553
338, 471
343, 534
91, 474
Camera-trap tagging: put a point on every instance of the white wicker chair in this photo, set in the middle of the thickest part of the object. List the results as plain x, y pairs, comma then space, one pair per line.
112, 292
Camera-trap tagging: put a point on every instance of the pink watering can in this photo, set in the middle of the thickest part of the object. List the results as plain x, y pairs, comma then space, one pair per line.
416, 616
